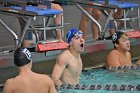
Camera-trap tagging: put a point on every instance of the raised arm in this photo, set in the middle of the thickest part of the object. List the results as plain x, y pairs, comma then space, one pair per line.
58, 69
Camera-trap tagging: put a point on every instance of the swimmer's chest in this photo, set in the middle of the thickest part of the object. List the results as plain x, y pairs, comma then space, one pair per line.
125, 61
75, 65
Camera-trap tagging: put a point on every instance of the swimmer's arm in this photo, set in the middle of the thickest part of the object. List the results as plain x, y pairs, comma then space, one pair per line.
8, 87
112, 60
138, 63
52, 88
58, 70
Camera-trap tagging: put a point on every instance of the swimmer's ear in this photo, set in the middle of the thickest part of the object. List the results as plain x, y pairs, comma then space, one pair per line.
116, 45
70, 44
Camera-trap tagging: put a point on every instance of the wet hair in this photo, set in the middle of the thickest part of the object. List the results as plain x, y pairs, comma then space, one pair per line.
71, 34
116, 36
22, 56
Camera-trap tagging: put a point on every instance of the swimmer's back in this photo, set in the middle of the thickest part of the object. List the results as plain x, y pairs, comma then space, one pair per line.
31, 83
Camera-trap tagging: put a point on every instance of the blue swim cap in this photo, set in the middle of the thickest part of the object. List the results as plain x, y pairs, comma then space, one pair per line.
71, 34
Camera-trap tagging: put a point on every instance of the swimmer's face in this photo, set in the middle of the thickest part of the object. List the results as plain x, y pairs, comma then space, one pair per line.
77, 42
124, 42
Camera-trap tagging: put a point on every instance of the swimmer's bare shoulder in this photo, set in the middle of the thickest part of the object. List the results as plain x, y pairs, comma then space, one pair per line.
8, 86
47, 81
47, 78
112, 54
63, 58
129, 54
113, 58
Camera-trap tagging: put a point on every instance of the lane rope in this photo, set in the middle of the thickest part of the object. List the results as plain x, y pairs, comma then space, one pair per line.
109, 87
124, 68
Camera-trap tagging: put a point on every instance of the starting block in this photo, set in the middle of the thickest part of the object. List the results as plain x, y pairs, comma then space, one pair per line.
50, 46
133, 34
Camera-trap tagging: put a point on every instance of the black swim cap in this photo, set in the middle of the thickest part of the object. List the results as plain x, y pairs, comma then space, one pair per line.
22, 56
116, 36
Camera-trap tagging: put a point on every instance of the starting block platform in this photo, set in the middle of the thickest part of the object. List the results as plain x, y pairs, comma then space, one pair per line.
38, 10
133, 34
50, 46
29, 12
119, 4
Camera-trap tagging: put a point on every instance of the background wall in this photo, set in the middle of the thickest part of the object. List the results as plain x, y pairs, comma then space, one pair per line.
72, 17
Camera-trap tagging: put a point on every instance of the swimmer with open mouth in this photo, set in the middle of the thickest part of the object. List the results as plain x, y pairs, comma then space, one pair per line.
75, 40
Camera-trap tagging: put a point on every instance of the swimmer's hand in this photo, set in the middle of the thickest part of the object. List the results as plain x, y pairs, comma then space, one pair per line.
56, 81
138, 63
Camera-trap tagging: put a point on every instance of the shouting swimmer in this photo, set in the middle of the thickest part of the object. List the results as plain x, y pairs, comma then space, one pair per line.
68, 65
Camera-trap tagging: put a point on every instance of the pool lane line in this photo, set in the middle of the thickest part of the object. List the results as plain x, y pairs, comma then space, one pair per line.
124, 68
94, 67
108, 87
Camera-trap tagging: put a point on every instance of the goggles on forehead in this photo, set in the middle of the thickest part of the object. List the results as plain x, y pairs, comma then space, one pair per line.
78, 33
72, 33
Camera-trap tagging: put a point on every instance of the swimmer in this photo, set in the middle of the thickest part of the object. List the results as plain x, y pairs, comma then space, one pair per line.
120, 55
27, 81
68, 65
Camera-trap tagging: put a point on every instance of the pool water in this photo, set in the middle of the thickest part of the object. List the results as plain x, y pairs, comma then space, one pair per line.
101, 76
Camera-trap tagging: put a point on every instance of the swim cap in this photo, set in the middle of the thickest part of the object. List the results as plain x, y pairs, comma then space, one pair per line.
22, 56
116, 36
71, 34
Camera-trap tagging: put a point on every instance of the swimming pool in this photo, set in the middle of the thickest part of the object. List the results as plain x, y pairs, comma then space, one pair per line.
100, 80
103, 80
